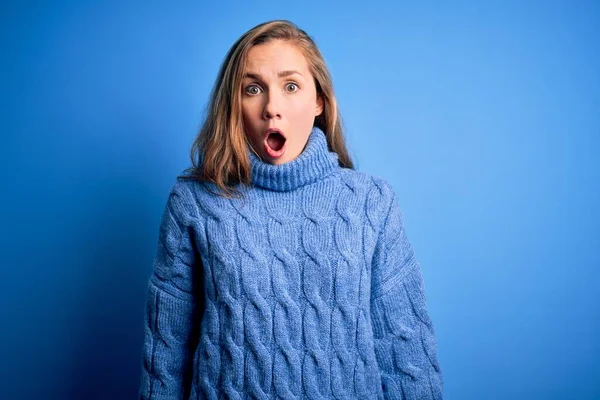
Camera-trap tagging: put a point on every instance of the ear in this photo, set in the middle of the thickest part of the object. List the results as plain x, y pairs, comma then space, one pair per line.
319, 109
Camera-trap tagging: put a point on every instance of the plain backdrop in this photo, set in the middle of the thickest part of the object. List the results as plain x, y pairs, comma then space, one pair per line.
484, 116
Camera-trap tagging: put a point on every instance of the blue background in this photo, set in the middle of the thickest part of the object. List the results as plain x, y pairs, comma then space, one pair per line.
484, 117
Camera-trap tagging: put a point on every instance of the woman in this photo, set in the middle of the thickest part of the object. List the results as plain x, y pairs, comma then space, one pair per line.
281, 272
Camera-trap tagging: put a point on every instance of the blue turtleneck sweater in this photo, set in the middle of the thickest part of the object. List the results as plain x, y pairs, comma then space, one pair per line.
306, 287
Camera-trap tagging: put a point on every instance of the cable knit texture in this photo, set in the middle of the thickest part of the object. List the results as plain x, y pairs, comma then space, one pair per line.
305, 288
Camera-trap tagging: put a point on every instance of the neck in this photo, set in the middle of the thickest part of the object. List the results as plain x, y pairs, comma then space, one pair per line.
314, 163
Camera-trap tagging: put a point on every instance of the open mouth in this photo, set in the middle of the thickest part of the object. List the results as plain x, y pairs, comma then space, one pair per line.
275, 143
275, 140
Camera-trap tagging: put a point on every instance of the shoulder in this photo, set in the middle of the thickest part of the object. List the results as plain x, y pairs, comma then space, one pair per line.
181, 200
379, 195
378, 189
199, 198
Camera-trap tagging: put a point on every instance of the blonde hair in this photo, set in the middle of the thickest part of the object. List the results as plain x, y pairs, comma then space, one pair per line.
219, 151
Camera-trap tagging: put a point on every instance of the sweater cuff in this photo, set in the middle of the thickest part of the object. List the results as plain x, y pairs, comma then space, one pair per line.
170, 331
405, 343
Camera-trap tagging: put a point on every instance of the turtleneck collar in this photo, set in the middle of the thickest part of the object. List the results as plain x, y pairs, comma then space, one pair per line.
314, 163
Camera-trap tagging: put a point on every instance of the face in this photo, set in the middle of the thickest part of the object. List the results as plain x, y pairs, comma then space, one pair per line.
279, 101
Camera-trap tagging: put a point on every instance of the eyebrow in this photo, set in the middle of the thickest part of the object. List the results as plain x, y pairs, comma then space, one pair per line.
281, 74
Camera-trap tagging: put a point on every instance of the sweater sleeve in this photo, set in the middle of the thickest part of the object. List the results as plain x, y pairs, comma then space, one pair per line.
173, 305
405, 343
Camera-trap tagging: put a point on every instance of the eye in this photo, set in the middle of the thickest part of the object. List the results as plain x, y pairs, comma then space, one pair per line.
291, 87
253, 89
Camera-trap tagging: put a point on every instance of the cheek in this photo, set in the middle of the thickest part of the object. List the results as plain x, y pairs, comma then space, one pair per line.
304, 109
249, 114
250, 106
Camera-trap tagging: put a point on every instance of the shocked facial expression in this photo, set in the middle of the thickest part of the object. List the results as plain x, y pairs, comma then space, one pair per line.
279, 101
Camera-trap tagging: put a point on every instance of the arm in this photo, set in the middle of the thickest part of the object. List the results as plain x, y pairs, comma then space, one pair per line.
405, 343
171, 323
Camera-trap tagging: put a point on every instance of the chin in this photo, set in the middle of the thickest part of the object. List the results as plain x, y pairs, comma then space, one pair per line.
281, 161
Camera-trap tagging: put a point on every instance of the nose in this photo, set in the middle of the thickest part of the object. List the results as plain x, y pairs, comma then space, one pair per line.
271, 109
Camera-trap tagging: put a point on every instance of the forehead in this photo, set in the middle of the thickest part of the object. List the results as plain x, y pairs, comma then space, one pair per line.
276, 55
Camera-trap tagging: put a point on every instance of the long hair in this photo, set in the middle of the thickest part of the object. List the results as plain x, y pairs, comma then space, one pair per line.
219, 151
